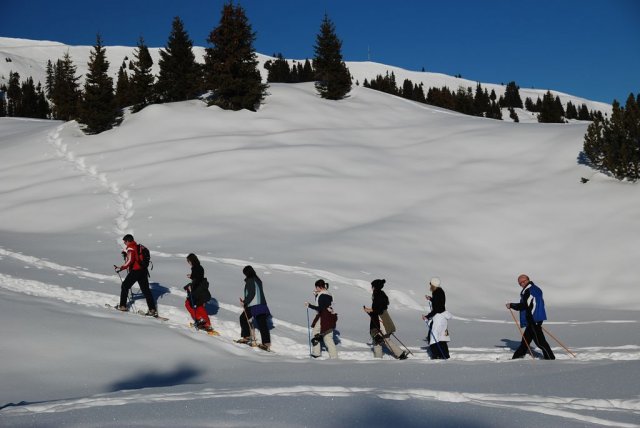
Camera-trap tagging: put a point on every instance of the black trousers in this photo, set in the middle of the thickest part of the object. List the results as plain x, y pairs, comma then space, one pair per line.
141, 277
263, 326
534, 332
439, 351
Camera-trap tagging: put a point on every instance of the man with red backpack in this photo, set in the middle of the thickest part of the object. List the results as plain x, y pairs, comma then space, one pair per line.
137, 272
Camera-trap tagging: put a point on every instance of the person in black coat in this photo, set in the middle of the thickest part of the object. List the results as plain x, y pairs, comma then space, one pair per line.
381, 325
198, 294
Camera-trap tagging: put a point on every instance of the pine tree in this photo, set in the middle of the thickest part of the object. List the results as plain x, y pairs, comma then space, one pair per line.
407, 89
123, 91
549, 112
142, 80
528, 104
513, 115
613, 145
538, 105
14, 95
571, 112
279, 70
333, 80
631, 118
512, 96
180, 76
559, 110
3, 103
481, 101
614, 135
49, 80
231, 65
418, 93
98, 110
307, 75
594, 144
583, 113
42, 105
495, 112
29, 100
64, 91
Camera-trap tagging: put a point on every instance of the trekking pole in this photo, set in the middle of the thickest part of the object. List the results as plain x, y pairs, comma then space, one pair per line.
560, 343
521, 333
309, 331
195, 321
130, 294
254, 342
405, 347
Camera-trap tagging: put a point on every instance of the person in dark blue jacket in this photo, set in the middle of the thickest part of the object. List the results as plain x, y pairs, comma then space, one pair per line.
254, 305
532, 314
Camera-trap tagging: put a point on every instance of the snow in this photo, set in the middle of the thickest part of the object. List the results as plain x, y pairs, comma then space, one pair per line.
373, 186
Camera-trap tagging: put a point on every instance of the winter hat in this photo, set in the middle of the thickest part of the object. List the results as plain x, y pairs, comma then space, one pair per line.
127, 238
321, 284
378, 283
435, 281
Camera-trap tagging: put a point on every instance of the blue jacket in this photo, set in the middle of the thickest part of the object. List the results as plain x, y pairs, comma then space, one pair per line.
531, 305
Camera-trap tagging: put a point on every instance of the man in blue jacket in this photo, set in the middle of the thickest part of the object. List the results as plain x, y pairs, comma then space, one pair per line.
532, 314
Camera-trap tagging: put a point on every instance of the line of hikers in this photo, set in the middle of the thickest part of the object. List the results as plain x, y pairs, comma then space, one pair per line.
381, 327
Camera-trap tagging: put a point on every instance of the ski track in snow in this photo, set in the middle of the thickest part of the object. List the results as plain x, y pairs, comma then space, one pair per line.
562, 407
350, 350
287, 345
126, 212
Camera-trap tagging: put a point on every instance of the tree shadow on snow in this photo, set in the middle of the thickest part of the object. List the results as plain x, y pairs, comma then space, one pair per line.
405, 414
155, 379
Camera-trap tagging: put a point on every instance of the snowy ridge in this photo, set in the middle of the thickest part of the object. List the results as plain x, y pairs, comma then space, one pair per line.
29, 58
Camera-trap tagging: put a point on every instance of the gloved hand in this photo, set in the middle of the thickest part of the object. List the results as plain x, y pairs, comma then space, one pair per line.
378, 339
316, 339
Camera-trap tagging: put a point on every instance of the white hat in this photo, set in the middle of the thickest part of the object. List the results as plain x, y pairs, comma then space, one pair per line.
435, 281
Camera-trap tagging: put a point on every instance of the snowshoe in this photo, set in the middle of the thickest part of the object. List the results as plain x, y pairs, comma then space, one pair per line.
264, 347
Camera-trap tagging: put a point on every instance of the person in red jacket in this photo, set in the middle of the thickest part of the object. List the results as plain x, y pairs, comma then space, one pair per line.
136, 273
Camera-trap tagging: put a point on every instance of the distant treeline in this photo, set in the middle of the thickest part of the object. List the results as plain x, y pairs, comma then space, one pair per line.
229, 77
480, 102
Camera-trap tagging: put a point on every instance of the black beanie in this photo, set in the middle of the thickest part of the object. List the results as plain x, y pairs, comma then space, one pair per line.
378, 283
249, 272
321, 284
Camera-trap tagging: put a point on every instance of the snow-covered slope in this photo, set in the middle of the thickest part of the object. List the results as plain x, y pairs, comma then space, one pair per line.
29, 58
373, 186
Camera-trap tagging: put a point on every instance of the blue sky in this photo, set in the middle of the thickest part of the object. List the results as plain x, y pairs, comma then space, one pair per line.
587, 48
